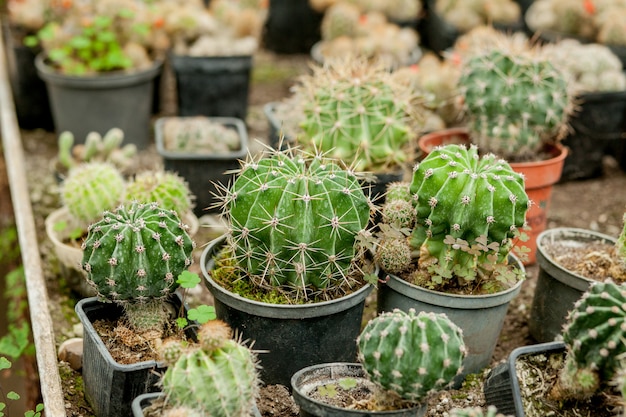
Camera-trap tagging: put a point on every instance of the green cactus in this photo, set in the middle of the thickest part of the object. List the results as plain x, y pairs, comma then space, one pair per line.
91, 188
356, 112
340, 19
515, 103
393, 254
398, 212
620, 247
210, 378
410, 354
468, 212
96, 149
294, 221
133, 256
165, 187
594, 336
476, 412
398, 190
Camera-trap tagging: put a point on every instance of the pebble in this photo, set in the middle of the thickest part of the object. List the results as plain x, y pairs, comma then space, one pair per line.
71, 351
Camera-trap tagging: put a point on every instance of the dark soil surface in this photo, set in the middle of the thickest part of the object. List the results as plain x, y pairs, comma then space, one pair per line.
597, 204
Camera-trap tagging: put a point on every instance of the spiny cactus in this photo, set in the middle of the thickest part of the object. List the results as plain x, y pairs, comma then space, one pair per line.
97, 148
341, 19
619, 270
91, 188
515, 103
466, 15
164, 187
354, 111
469, 209
594, 336
411, 354
199, 134
215, 377
294, 221
476, 412
133, 256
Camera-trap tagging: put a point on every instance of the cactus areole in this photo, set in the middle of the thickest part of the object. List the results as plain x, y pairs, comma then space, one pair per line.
294, 221
135, 253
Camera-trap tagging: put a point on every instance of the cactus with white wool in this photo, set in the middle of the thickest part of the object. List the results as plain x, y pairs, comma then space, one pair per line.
411, 354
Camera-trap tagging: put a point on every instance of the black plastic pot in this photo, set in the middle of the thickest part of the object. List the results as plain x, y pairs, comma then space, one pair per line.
557, 288
502, 389
203, 171
291, 337
597, 128
83, 104
145, 400
481, 317
110, 387
29, 91
291, 27
308, 379
212, 85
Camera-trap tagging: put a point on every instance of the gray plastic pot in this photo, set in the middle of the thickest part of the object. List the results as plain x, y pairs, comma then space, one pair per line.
144, 400
502, 388
481, 317
557, 288
308, 379
83, 104
110, 387
203, 171
290, 337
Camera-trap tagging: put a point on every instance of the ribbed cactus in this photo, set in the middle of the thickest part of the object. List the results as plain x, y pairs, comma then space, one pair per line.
91, 188
294, 221
411, 354
216, 377
341, 19
476, 412
515, 103
469, 208
164, 187
133, 257
594, 336
356, 112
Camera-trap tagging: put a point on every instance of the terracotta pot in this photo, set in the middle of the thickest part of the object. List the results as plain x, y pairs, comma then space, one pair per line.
540, 176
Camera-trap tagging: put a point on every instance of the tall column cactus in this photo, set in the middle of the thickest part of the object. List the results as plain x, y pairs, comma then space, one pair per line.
594, 336
133, 257
294, 221
411, 354
515, 103
468, 209
216, 377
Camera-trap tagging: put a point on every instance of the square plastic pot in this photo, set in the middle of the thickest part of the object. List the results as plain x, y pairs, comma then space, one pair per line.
145, 400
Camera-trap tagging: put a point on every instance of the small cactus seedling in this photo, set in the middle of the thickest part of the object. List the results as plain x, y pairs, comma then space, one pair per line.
91, 188
476, 412
594, 336
164, 187
133, 256
294, 221
216, 377
515, 103
411, 355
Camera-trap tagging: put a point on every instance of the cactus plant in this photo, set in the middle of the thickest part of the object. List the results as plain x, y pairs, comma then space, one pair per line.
411, 355
476, 412
165, 187
91, 188
133, 256
199, 134
468, 210
466, 15
216, 376
594, 337
294, 220
515, 103
355, 111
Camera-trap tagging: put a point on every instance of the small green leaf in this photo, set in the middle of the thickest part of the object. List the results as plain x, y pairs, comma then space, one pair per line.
188, 279
59, 226
347, 383
4, 363
12, 395
328, 390
181, 322
202, 314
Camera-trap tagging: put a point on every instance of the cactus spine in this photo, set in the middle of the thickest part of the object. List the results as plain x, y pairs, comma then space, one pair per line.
410, 354
594, 336
133, 256
468, 210
216, 377
294, 221
166, 188
515, 103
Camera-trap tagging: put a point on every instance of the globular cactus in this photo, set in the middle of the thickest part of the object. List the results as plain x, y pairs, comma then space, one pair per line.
91, 188
411, 354
341, 19
515, 103
466, 15
215, 377
97, 148
618, 271
398, 190
133, 257
594, 336
354, 111
476, 412
199, 134
294, 221
468, 210
164, 187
